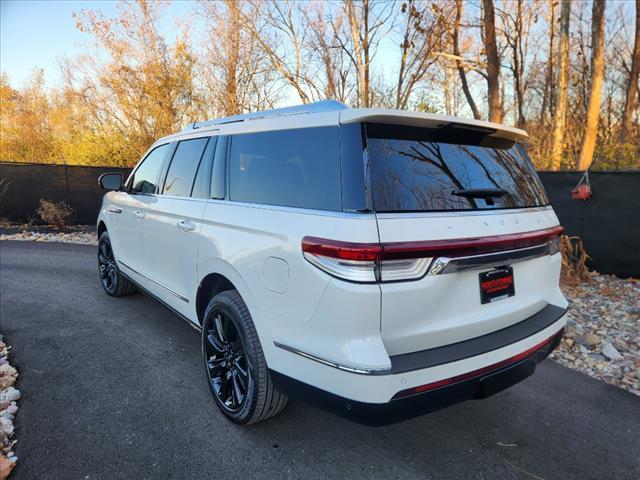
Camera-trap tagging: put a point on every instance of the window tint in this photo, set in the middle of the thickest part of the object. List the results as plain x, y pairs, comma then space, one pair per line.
294, 168
421, 175
202, 184
184, 165
146, 176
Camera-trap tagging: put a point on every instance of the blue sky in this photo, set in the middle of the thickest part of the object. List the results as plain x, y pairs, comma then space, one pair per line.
36, 33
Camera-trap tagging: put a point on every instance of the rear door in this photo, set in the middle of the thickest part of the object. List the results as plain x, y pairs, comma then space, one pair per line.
464, 205
175, 220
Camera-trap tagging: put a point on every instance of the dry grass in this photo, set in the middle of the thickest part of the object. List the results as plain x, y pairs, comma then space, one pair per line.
574, 261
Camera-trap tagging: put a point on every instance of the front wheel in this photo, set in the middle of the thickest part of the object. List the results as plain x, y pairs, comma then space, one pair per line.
113, 282
236, 369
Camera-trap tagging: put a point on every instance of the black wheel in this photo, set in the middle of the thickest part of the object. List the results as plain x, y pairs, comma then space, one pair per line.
234, 362
113, 282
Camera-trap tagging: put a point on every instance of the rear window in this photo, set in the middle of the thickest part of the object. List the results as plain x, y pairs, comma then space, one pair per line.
292, 168
415, 170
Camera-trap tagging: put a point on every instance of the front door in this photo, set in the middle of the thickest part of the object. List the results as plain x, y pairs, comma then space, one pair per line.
129, 235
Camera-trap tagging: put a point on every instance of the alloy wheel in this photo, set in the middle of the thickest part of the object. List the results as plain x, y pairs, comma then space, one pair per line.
107, 266
226, 361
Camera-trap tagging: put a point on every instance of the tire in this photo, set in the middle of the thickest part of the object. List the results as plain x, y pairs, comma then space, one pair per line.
112, 281
234, 362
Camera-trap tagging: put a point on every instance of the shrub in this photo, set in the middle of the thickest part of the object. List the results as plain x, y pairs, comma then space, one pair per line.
56, 214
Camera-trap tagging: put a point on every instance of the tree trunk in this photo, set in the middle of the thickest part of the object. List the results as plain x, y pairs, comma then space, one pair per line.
560, 116
595, 90
518, 65
632, 89
360, 41
231, 106
461, 72
548, 79
493, 62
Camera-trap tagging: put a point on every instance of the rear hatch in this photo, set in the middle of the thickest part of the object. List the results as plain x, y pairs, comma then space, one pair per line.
471, 204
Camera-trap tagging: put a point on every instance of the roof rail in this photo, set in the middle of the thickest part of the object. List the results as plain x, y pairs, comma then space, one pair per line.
316, 107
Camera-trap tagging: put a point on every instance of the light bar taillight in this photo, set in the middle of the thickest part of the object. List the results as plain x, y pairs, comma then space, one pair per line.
387, 262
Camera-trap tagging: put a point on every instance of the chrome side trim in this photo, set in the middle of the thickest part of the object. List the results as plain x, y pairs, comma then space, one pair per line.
329, 363
113, 209
175, 294
442, 265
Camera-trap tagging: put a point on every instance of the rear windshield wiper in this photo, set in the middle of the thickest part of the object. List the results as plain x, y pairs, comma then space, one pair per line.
480, 193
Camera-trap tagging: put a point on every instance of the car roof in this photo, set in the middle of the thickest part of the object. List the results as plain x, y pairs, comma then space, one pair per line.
333, 113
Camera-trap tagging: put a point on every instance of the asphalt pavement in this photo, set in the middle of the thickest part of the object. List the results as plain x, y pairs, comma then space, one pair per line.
113, 388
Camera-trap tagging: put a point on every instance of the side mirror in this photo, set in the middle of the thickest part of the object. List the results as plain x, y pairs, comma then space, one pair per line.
110, 181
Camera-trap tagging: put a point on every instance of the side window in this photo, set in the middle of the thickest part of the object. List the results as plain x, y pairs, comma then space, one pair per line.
202, 184
146, 176
293, 168
184, 165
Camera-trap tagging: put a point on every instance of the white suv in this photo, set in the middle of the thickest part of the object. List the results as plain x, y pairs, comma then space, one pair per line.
379, 263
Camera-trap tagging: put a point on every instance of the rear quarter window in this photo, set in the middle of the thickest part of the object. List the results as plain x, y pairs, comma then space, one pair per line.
419, 174
292, 168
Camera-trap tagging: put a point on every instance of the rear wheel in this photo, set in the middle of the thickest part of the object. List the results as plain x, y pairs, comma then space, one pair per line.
234, 362
113, 282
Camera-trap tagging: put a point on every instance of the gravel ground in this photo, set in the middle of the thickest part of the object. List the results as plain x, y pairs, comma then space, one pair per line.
8, 409
81, 234
602, 336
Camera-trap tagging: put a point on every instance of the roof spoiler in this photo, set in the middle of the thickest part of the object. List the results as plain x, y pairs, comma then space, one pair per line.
428, 120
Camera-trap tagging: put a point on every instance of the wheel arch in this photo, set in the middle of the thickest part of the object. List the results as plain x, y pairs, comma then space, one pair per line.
102, 227
220, 277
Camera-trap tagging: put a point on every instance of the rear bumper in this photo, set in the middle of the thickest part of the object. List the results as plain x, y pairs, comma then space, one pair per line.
477, 384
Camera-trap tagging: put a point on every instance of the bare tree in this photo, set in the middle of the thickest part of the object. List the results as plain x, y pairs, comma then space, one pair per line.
277, 29
368, 21
516, 28
562, 89
595, 90
493, 62
236, 75
333, 78
424, 33
455, 40
632, 87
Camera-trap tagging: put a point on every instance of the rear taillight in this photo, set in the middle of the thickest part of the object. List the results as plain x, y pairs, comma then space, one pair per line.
363, 262
554, 244
389, 262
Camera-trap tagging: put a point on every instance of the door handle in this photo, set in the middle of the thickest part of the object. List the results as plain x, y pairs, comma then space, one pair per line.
139, 214
113, 209
186, 226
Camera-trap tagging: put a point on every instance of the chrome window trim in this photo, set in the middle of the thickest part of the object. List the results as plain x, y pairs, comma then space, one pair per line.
280, 208
177, 295
329, 363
